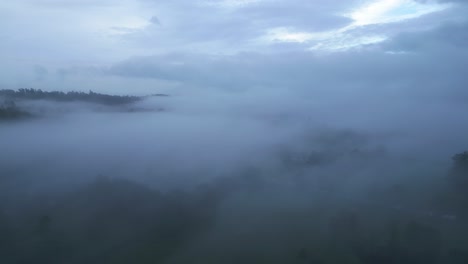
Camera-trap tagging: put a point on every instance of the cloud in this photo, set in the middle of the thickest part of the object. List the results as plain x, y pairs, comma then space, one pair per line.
111, 31
302, 69
446, 37
404, 82
227, 29
69, 3
41, 72
155, 20
374, 13
444, 1
388, 11
256, 43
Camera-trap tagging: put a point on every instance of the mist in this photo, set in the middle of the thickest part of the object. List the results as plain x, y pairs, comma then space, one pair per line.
260, 132
241, 179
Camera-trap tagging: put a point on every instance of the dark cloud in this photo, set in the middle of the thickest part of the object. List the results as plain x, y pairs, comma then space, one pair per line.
201, 26
41, 72
155, 20
368, 69
446, 37
313, 16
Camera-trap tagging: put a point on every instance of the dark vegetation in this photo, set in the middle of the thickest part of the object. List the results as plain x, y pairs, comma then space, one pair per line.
9, 111
14, 103
91, 97
118, 221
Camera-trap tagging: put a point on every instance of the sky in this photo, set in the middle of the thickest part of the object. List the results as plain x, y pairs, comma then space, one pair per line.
295, 56
44, 42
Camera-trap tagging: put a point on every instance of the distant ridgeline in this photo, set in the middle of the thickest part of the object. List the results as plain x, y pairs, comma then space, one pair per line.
91, 97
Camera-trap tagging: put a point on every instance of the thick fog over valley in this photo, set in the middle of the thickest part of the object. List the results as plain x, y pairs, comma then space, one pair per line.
234, 131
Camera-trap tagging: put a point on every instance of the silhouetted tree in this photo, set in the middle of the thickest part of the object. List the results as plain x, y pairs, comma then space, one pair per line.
459, 172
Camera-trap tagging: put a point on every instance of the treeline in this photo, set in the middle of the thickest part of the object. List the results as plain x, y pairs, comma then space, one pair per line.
92, 97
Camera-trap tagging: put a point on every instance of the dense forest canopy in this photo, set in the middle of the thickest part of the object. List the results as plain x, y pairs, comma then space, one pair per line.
120, 221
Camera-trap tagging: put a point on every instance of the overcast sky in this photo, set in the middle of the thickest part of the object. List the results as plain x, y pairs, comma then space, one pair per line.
279, 46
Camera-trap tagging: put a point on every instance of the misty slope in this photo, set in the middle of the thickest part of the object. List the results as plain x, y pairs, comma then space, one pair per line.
222, 192
247, 218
